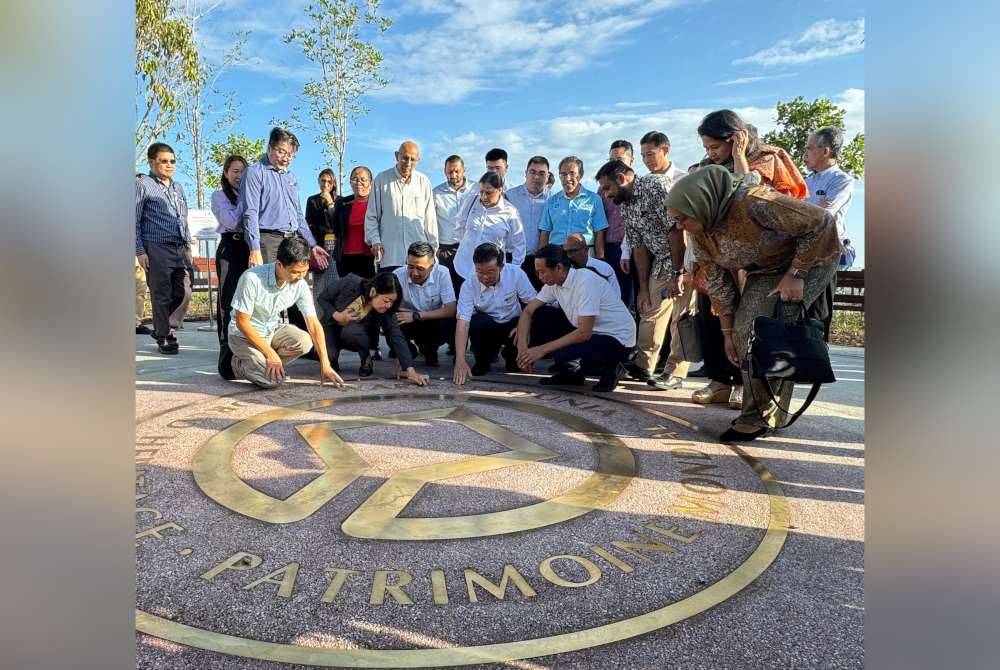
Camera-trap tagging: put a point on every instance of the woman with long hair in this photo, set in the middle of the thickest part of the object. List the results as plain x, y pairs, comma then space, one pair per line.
232, 254
353, 309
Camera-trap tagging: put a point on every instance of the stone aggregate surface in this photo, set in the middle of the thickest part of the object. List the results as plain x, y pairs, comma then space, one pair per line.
805, 611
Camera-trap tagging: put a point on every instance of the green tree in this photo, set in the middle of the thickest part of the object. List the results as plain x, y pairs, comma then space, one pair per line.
798, 118
165, 58
239, 145
349, 67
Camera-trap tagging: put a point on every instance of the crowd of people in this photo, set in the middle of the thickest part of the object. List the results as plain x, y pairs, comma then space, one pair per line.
575, 281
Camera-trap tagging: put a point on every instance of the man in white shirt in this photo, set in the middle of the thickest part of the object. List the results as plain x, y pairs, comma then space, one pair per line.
529, 199
488, 308
576, 248
448, 197
401, 209
603, 330
427, 315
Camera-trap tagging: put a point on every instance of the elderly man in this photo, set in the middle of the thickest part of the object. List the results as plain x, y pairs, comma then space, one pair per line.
529, 200
488, 308
401, 209
162, 241
262, 346
576, 250
448, 197
427, 315
659, 256
573, 210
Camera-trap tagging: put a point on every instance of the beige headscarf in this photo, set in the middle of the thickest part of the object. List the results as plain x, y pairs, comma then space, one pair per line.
704, 195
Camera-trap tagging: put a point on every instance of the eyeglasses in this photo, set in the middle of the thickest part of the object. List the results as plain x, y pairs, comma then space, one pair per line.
538, 173
165, 161
576, 250
283, 153
359, 180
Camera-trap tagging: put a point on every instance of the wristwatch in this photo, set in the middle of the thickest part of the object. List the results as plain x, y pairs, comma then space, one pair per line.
797, 273
416, 315
678, 273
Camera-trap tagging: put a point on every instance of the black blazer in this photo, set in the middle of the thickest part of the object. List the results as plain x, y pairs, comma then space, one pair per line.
340, 217
337, 296
319, 217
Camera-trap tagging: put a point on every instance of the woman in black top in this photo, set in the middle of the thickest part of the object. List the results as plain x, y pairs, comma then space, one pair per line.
353, 309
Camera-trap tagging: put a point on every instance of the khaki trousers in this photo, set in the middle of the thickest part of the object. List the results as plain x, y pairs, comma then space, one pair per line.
140, 293
288, 341
662, 315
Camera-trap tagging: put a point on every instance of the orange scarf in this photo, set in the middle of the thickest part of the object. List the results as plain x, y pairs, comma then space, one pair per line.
777, 169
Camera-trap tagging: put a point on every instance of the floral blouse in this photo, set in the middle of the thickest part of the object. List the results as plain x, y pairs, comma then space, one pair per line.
763, 232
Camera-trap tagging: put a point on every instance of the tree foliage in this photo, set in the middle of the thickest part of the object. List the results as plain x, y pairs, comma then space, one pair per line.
798, 118
349, 66
165, 59
218, 152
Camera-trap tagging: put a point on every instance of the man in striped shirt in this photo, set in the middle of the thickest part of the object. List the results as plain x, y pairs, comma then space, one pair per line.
162, 240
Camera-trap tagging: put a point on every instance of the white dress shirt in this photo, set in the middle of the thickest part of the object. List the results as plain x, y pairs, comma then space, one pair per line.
400, 212
606, 270
832, 189
502, 302
530, 207
585, 294
446, 203
434, 293
499, 225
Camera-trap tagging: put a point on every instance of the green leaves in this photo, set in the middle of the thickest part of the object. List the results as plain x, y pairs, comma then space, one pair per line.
235, 144
798, 118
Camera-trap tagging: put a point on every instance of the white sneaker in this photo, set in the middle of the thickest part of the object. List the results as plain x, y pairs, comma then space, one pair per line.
736, 398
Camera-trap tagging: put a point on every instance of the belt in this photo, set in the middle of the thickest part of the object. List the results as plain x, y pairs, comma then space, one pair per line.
232, 236
448, 246
284, 233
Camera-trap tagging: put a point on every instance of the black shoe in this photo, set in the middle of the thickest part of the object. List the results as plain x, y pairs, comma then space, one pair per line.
143, 330
392, 354
431, 359
480, 369
700, 372
554, 367
637, 373
665, 382
226, 362
377, 354
563, 378
367, 366
609, 382
167, 346
733, 435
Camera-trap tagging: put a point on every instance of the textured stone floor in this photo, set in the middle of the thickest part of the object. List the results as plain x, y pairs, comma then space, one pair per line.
328, 527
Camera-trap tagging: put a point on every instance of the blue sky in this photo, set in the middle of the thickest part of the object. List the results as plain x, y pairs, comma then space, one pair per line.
554, 78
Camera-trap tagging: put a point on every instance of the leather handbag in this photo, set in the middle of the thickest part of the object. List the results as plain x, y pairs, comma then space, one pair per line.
789, 351
690, 337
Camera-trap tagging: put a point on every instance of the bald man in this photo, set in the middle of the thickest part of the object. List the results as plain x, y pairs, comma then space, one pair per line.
400, 210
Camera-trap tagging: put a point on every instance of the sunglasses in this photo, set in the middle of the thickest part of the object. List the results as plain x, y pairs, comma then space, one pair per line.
167, 160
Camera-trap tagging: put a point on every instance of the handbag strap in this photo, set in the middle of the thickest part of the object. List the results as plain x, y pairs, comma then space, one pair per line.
812, 396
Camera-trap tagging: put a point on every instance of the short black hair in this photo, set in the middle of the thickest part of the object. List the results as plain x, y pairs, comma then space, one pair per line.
420, 249
491, 179
572, 159
362, 167
454, 158
329, 172
293, 250
486, 252
612, 168
622, 144
384, 283
538, 159
496, 154
156, 148
656, 138
279, 135
553, 255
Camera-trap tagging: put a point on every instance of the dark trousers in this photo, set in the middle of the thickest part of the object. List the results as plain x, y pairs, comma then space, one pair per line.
612, 255
597, 357
529, 269
362, 265
713, 346
169, 264
429, 335
548, 324
488, 337
232, 258
822, 308
359, 336
446, 256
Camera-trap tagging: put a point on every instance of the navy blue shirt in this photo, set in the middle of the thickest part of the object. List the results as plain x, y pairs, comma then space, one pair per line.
160, 213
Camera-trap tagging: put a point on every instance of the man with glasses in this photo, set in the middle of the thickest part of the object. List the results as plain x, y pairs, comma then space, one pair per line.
576, 248
529, 200
162, 241
573, 210
401, 209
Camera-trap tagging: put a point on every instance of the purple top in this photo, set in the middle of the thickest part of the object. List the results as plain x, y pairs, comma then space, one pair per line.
225, 213
616, 227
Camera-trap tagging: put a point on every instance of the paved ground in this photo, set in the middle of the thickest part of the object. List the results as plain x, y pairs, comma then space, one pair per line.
256, 549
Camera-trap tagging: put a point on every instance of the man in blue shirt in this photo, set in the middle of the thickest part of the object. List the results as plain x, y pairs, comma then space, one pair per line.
261, 345
574, 210
162, 240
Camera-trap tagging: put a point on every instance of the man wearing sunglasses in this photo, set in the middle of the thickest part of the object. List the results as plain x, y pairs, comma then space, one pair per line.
162, 240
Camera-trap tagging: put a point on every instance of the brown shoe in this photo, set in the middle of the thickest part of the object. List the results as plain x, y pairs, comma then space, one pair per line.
710, 396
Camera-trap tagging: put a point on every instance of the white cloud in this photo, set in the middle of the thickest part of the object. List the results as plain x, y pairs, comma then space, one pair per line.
635, 105
823, 39
270, 99
853, 102
751, 80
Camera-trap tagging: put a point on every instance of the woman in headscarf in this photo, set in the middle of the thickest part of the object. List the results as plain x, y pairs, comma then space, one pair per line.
788, 249
734, 145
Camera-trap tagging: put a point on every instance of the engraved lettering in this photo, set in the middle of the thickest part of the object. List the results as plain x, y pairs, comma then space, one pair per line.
546, 570
285, 585
498, 591
381, 586
339, 577
239, 561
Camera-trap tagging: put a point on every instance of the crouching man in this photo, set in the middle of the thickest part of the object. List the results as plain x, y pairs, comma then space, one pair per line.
260, 343
603, 331
427, 317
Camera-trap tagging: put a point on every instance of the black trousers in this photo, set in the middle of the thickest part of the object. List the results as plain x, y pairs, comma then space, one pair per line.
232, 257
713, 346
169, 263
446, 256
430, 335
822, 308
547, 324
529, 269
362, 265
612, 255
359, 336
597, 357
488, 337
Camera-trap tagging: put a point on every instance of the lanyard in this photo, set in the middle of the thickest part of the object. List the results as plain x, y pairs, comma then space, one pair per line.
171, 198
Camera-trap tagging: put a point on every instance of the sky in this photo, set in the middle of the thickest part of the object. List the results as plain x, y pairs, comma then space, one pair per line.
549, 78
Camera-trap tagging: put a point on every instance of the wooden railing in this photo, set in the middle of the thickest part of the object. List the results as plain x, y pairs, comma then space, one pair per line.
850, 295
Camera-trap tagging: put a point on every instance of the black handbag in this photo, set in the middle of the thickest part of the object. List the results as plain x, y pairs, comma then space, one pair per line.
690, 337
791, 351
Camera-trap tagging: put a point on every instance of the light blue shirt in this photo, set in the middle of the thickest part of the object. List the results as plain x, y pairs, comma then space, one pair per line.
583, 214
259, 295
436, 291
832, 189
269, 200
530, 208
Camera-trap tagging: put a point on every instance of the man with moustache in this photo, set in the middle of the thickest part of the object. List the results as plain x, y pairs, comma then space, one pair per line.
448, 197
529, 200
573, 210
